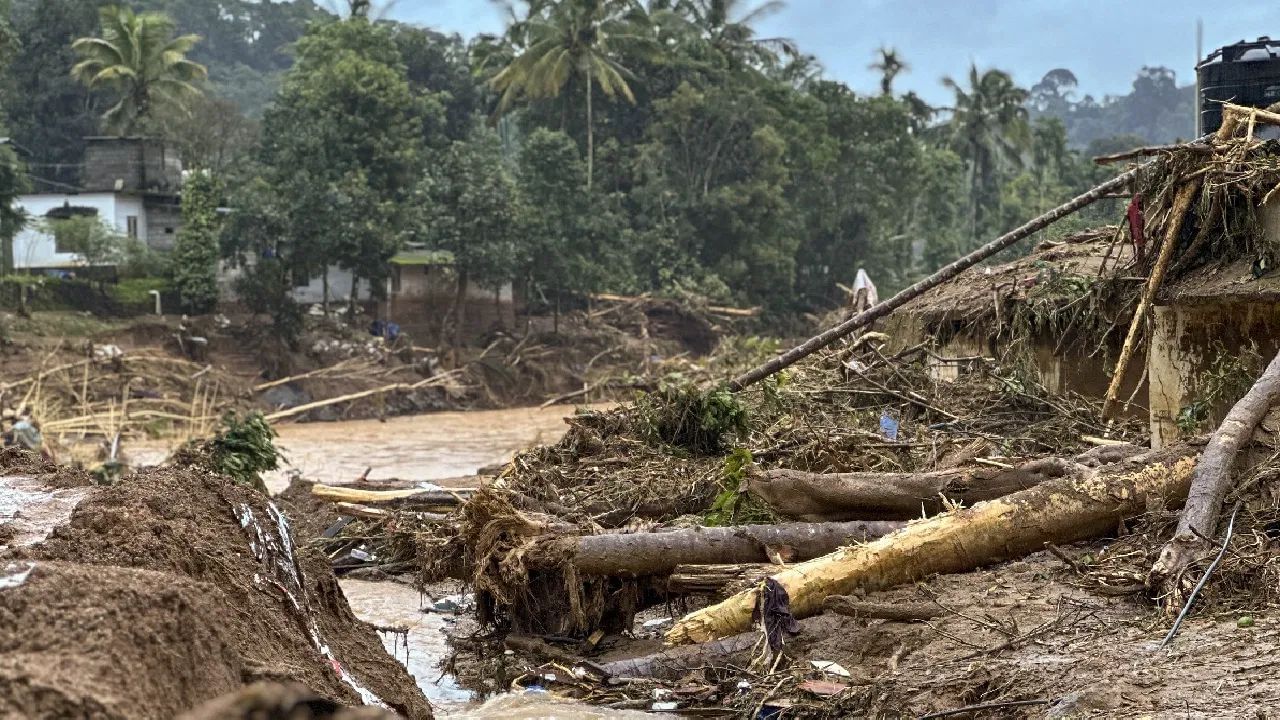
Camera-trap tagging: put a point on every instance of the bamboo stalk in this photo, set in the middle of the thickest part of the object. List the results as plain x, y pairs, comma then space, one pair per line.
1173, 229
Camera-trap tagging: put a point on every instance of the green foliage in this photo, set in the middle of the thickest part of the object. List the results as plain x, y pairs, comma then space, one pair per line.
734, 506
472, 209
680, 413
137, 291
244, 448
342, 150
195, 254
1226, 380
138, 62
95, 242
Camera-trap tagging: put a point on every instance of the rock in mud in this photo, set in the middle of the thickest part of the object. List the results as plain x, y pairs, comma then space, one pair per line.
175, 587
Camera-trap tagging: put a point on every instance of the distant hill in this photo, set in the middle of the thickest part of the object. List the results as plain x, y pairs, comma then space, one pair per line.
1157, 110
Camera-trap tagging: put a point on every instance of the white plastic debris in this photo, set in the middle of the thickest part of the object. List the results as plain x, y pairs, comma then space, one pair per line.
15, 574
664, 706
829, 667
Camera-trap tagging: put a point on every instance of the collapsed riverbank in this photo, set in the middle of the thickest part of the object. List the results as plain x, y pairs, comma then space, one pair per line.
170, 588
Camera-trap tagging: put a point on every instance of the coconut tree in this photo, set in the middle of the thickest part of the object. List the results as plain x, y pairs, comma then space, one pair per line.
729, 27
567, 39
139, 61
989, 130
889, 64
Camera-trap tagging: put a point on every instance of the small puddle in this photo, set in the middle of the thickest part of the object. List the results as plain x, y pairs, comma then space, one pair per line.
30, 510
394, 605
387, 604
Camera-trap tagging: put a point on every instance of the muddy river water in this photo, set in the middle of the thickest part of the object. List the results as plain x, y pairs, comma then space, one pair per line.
427, 448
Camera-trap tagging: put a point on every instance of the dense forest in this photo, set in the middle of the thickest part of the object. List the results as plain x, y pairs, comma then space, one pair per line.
595, 145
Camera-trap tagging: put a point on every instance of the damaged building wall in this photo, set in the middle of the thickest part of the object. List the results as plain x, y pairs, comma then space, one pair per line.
1060, 370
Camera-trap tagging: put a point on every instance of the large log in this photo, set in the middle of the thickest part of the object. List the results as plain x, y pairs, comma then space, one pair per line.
1059, 511
1212, 480
826, 497
875, 312
658, 553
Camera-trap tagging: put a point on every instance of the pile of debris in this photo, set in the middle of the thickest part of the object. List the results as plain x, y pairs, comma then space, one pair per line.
789, 491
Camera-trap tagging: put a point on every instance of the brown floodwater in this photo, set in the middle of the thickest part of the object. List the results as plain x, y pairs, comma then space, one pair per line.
433, 447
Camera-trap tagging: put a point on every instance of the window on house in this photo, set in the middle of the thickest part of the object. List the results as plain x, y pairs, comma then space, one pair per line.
168, 231
132, 231
395, 280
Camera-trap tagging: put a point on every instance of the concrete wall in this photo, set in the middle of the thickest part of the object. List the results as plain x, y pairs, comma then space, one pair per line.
114, 164
1186, 340
164, 222
421, 295
339, 288
1060, 370
34, 247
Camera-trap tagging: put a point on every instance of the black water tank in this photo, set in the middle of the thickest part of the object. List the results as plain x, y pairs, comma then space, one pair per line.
1247, 73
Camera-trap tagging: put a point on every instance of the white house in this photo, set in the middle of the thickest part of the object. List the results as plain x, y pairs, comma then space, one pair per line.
35, 247
130, 183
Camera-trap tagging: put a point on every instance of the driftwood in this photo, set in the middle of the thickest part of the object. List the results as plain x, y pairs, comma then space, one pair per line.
415, 498
816, 497
899, 612
658, 553
946, 274
1212, 480
1058, 511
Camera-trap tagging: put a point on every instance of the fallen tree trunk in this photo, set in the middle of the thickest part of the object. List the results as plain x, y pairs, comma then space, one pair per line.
713, 579
826, 497
875, 312
1212, 480
658, 553
1059, 511
898, 612
674, 663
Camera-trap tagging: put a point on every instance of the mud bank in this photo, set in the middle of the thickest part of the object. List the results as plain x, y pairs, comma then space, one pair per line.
172, 588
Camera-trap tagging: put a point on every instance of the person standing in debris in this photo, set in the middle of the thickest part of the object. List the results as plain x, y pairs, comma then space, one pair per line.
26, 435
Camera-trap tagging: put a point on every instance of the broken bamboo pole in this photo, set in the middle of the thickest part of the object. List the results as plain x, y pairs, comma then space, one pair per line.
1173, 231
875, 312
422, 496
1211, 481
1181, 205
1058, 511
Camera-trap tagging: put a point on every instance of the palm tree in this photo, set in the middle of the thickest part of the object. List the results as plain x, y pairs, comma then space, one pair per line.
728, 27
139, 60
889, 64
564, 39
989, 130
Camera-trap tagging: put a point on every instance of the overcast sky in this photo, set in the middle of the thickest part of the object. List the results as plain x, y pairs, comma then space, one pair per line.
1103, 42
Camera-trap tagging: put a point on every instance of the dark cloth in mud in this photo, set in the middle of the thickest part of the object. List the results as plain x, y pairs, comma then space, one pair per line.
774, 606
